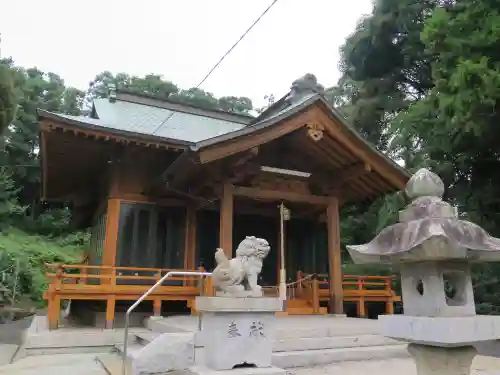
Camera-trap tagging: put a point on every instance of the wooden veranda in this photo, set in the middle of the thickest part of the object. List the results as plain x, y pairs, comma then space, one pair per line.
304, 296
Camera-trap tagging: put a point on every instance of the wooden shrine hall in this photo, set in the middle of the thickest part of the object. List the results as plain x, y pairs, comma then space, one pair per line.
163, 184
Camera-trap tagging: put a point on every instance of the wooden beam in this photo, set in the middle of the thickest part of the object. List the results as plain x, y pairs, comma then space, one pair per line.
248, 141
190, 238
339, 131
244, 173
226, 220
141, 198
274, 195
228, 170
347, 174
249, 209
336, 297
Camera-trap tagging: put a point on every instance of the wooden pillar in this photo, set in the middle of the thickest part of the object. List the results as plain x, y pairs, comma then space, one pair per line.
109, 256
278, 256
54, 311
336, 298
157, 301
111, 239
157, 307
110, 312
361, 303
226, 220
54, 305
190, 239
389, 304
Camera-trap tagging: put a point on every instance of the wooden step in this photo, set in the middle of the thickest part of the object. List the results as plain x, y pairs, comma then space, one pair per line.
305, 311
297, 303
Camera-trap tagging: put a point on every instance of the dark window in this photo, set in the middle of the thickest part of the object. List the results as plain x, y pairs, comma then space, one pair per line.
150, 236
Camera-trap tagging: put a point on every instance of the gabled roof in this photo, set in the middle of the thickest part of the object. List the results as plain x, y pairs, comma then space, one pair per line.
262, 122
201, 129
301, 108
284, 112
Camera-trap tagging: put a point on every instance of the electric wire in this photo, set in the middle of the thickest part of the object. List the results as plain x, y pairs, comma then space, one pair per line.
222, 59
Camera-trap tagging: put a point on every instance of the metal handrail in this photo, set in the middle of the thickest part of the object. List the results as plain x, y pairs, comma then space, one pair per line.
142, 298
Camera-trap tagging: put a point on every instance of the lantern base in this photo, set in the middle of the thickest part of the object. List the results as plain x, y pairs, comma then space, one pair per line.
441, 331
431, 360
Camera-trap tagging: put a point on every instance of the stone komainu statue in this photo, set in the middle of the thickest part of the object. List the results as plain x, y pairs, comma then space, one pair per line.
238, 276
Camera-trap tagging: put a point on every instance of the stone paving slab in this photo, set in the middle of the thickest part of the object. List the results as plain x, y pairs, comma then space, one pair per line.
74, 364
7, 352
396, 366
86, 364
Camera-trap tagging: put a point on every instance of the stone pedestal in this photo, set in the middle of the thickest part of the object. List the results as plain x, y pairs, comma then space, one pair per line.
432, 360
238, 331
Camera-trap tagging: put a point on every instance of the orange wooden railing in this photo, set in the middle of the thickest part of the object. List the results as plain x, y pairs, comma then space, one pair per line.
360, 290
100, 283
83, 281
304, 288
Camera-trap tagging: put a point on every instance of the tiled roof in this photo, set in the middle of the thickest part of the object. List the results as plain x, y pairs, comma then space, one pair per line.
139, 118
136, 118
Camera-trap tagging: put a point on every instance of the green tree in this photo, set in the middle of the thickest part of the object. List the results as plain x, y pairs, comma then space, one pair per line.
426, 74
7, 97
154, 84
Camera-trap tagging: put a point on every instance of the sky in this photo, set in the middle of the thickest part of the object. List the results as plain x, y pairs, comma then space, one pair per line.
182, 40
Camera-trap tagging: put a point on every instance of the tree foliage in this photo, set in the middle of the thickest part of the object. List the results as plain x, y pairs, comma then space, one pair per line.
421, 79
7, 97
154, 84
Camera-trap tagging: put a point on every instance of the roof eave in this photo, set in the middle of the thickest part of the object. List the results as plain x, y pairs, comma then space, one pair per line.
404, 173
255, 127
43, 114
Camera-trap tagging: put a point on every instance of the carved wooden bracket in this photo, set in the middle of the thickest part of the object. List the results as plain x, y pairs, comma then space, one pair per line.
315, 131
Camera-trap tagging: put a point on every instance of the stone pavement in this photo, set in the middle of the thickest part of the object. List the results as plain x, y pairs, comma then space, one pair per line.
86, 364
291, 327
7, 352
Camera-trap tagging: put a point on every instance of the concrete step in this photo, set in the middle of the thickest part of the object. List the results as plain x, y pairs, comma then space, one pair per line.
332, 342
132, 349
172, 325
145, 337
308, 358
347, 328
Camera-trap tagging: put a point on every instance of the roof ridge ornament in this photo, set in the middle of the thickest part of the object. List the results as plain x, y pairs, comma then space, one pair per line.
305, 85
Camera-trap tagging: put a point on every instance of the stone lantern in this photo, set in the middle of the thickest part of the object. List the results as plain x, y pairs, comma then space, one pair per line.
433, 250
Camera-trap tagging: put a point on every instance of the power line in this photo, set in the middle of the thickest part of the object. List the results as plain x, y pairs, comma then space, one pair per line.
222, 58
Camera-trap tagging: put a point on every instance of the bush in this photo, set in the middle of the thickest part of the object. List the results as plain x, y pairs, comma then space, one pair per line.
32, 252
